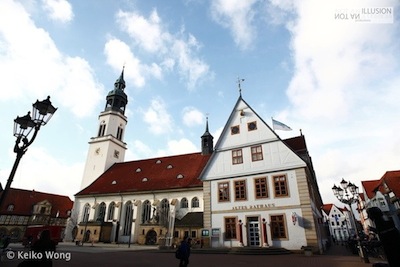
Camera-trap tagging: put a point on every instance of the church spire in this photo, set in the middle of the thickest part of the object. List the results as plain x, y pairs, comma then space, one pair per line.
207, 144
120, 82
116, 99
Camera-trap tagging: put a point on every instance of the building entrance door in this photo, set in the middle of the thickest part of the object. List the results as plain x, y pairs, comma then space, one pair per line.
253, 227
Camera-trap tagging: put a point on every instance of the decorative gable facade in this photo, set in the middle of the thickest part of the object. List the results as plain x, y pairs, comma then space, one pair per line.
23, 208
258, 191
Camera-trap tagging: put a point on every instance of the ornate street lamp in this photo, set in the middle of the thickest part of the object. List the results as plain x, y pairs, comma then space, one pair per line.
348, 193
42, 112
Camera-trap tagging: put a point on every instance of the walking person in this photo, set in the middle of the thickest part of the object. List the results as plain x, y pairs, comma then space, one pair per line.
184, 252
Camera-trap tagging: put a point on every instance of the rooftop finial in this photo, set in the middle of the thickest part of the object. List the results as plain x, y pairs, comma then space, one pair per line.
240, 89
206, 122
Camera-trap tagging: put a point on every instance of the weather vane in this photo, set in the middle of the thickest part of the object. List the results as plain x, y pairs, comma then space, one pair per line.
240, 89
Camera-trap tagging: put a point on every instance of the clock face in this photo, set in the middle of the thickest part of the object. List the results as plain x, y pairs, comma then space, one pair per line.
235, 129
116, 153
97, 151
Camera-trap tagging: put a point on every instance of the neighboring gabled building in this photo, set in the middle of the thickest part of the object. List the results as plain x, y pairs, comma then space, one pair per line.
22, 208
384, 194
259, 189
339, 223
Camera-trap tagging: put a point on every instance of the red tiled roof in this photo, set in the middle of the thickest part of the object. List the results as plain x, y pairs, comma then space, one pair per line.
392, 180
23, 201
369, 187
327, 208
150, 175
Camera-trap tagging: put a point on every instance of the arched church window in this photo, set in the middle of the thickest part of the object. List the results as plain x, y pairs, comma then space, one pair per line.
195, 202
86, 212
164, 216
184, 203
146, 212
101, 212
111, 209
128, 218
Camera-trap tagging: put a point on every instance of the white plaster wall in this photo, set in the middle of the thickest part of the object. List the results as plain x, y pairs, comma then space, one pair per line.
138, 199
295, 233
292, 199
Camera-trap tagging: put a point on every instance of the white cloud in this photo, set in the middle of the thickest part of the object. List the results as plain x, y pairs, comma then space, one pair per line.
59, 10
59, 75
237, 16
119, 54
171, 50
138, 150
192, 116
342, 90
191, 68
147, 33
141, 150
177, 147
157, 117
34, 172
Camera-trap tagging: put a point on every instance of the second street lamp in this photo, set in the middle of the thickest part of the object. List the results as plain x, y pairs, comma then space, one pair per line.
42, 112
348, 193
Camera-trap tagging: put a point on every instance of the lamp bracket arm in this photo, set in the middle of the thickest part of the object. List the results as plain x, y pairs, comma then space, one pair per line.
28, 143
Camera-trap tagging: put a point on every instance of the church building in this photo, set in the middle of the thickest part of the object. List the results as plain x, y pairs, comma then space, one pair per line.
150, 201
252, 189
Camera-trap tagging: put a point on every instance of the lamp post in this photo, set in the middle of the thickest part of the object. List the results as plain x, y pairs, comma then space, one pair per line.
41, 113
348, 193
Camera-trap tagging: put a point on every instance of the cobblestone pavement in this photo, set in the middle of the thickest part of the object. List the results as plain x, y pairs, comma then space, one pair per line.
140, 256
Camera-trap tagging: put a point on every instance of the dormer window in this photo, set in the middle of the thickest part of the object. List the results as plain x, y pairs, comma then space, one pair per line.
158, 161
169, 166
145, 179
10, 207
138, 170
179, 176
114, 182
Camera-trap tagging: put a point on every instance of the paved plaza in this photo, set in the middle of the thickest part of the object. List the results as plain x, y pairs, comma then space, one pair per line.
71, 255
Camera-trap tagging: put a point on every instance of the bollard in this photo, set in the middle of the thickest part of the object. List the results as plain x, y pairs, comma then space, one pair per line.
388, 235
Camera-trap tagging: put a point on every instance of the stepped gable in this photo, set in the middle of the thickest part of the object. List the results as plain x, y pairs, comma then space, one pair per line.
23, 201
163, 173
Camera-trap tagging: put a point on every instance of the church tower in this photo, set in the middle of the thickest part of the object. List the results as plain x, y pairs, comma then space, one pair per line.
108, 147
207, 144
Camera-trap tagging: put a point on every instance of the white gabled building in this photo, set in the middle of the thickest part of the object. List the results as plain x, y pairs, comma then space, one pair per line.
339, 222
260, 190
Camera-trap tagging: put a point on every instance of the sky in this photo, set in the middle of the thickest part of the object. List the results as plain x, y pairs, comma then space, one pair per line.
325, 67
